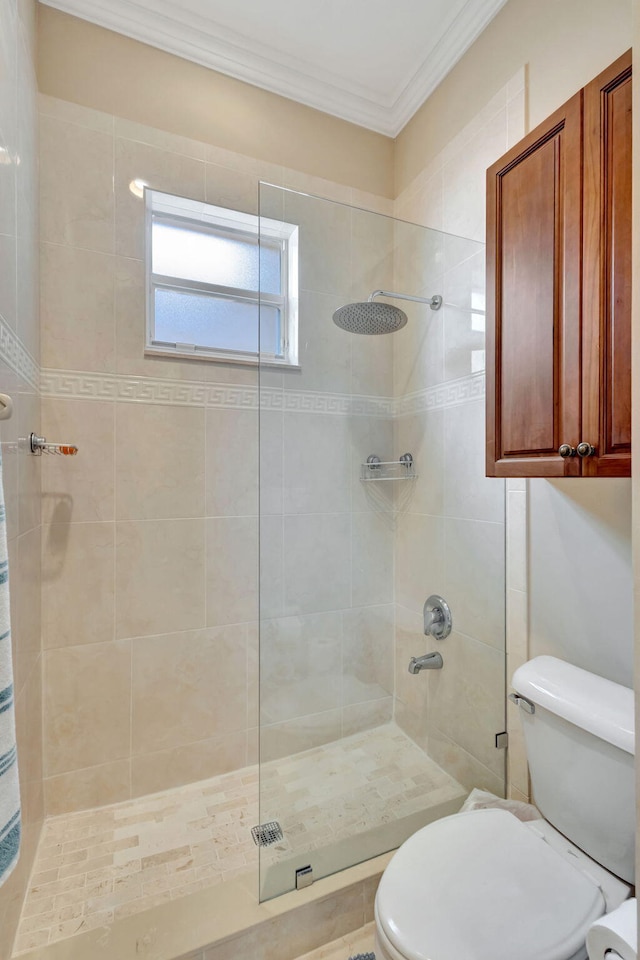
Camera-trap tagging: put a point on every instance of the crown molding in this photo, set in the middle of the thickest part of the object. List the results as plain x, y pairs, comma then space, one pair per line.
465, 29
167, 26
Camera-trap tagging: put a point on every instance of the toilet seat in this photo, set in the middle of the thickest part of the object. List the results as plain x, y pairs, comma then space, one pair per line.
481, 885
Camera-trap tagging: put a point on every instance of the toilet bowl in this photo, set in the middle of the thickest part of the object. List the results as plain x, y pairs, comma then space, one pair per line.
483, 885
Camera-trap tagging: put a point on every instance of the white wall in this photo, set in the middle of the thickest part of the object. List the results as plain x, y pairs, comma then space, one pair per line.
580, 577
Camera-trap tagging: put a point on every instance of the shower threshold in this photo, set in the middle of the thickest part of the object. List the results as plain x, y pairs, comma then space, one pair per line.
355, 797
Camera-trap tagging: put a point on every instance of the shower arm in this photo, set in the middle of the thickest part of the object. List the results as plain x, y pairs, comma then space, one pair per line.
434, 302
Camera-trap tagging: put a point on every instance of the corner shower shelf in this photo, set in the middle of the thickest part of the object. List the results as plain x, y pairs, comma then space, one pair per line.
377, 469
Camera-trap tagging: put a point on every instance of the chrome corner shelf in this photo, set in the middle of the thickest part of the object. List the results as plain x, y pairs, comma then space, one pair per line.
39, 445
377, 469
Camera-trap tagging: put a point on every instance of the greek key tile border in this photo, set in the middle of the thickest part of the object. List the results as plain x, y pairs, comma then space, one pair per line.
16, 356
449, 394
73, 385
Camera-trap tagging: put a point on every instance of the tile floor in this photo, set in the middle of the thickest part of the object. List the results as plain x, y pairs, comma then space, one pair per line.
96, 866
360, 941
347, 788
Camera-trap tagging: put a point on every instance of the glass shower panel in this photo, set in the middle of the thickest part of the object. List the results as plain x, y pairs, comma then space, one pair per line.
356, 753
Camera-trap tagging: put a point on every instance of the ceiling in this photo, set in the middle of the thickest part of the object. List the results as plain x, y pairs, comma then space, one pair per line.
372, 62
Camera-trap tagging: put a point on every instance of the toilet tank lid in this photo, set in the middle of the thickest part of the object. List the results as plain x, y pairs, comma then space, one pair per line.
601, 707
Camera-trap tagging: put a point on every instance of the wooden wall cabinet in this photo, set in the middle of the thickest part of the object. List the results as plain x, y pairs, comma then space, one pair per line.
559, 291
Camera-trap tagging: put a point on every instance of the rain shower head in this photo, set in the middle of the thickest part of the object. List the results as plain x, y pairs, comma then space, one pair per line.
370, 318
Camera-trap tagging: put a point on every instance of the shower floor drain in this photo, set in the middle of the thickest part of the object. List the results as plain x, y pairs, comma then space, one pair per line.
267, 833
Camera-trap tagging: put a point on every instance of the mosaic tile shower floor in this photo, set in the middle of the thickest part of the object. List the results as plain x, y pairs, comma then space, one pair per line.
97, 866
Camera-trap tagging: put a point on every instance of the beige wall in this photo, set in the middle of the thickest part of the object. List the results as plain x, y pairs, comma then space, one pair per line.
562, 46
567, 518
150, 658
86, 64
440, 159
450, 535
19, 356
443, 152
564, 43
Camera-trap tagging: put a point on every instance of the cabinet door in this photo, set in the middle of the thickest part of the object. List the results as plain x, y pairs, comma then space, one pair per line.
606, 307
534, 216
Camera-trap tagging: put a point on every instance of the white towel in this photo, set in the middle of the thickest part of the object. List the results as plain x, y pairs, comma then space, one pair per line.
9, 784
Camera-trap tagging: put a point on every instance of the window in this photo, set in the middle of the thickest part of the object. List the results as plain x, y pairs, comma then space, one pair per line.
212, 274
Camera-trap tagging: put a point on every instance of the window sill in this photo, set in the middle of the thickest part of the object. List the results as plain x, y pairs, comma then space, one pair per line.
237, 359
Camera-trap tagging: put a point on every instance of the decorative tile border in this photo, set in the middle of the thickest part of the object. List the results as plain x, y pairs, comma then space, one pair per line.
73, 385
307, 401
16, 356
448, 394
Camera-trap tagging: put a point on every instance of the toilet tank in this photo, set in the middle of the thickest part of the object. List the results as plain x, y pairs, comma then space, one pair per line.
580, 743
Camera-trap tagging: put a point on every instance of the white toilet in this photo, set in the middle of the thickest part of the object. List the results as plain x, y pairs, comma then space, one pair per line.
482, 885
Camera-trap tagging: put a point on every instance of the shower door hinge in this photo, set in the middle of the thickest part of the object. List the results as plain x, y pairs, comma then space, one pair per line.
304, 877
502, 740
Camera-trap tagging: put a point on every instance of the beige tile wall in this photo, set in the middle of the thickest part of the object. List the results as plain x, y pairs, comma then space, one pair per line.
451, 532
150, 538
169, 457
19, 357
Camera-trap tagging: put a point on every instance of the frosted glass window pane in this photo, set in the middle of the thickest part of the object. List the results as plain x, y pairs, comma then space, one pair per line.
270, 330
207, 258
270, 258
215, 322
204, 257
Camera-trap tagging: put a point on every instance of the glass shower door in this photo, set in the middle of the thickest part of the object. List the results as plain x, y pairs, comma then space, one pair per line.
356, 753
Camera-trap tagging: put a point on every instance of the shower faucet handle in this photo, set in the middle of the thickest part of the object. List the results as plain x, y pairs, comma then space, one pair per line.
438, 621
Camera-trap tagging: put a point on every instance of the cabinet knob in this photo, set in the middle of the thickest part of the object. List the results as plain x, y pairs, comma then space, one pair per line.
566, 450
585, 449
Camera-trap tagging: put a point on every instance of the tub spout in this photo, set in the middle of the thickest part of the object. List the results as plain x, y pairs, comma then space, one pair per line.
430, 661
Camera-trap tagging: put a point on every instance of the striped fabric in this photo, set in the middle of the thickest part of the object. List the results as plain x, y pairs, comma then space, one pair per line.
9, 786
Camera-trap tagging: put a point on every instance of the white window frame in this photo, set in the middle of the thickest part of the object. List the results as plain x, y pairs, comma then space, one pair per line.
233, 223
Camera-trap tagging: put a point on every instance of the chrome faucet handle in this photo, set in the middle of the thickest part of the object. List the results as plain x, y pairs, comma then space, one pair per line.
438, 621
431, 618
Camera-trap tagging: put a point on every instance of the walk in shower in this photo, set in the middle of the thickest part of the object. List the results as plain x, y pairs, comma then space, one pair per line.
372, 498
247, 549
